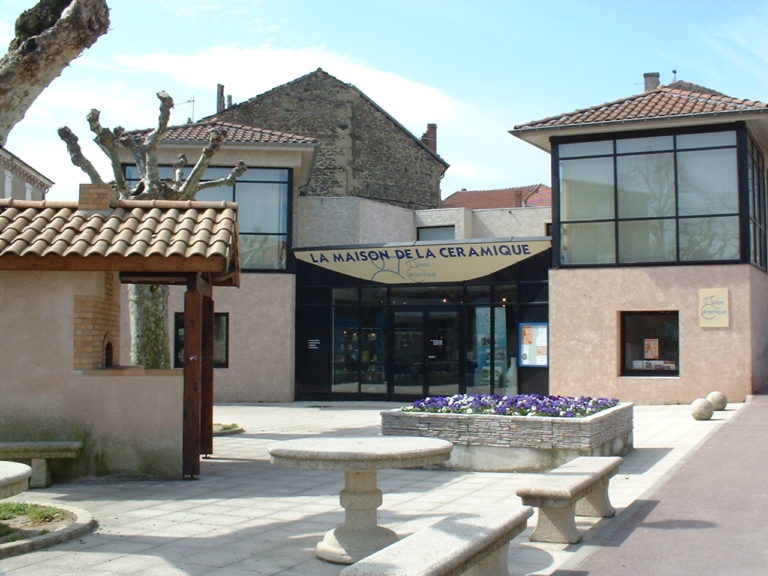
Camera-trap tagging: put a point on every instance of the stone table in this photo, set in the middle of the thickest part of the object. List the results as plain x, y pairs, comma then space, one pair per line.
359, 458
14, 478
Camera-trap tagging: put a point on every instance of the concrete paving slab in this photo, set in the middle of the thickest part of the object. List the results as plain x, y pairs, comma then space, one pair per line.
246, 516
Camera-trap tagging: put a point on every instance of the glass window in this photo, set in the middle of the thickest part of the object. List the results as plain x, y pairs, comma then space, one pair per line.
650, 344
654, 143
707, 182
8, 188
707, 139
673, 198
588, 243
263, 197
586, 189
347, 295
646, 185
597, 148
647, 241
433, 233
709, 239
220, 340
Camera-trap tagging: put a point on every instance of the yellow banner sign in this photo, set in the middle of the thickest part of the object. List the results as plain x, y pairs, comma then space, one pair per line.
424, 263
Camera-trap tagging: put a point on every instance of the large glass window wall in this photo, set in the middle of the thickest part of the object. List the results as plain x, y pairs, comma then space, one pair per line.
671, 198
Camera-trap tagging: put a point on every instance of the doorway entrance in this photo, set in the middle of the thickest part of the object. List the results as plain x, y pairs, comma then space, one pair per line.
425, 352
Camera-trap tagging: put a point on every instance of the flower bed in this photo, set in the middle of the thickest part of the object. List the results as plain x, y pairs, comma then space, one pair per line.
552, 431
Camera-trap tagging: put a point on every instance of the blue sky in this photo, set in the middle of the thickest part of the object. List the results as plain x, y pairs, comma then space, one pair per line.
476, 68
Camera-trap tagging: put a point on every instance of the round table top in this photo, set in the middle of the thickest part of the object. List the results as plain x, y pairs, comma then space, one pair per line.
14, 478
360, 453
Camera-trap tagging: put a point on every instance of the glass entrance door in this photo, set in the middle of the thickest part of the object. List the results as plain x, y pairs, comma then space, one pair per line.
425, 358
408, 353
442, 347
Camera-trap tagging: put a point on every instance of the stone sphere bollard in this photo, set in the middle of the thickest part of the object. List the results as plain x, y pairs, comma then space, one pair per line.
701, 409
718, 400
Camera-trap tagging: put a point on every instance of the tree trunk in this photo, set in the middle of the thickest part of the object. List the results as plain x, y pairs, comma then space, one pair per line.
148, 309
48, 37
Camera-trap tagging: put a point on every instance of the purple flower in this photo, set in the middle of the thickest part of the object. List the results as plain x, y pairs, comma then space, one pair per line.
517, 405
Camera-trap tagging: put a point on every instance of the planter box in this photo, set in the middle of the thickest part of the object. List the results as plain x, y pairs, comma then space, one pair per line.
485, 442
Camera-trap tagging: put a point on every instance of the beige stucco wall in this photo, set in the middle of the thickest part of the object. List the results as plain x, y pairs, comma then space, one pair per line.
339, 220
516, 222
489, 223
261, 337
130, 424
584, 312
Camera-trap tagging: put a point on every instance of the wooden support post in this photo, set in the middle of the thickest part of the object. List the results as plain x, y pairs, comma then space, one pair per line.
193, 353
206, 408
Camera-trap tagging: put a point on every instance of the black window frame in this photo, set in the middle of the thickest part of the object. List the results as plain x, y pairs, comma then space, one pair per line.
648, 369
757, 225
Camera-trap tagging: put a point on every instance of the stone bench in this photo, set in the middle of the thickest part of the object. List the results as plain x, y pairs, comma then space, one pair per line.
577, 488
472, 545
38, 453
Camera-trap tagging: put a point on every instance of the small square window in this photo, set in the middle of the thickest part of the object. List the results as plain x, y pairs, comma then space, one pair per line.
220, 340
650, 344
432, 233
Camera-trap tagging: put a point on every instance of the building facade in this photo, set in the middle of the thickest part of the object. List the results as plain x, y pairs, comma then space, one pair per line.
658, 292
362, 150
19, 180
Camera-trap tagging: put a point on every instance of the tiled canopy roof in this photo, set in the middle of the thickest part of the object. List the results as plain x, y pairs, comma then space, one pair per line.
536, 195
134, 236
235, 133
677, 101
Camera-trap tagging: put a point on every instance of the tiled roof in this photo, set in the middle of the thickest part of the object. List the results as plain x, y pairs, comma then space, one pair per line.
147, 235
675, 100
536, 195
235, 133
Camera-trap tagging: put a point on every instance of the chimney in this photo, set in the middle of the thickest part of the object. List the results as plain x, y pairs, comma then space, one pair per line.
219, 98
96, 197
651, 80
429, 138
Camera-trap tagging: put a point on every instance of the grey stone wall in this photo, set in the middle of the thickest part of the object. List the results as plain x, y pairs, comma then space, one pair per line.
513, 431
363, 151
517, 443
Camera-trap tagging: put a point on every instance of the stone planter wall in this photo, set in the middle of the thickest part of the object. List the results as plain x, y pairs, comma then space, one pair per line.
485, 442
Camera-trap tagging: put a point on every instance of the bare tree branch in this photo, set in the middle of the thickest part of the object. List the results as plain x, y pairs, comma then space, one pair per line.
76, 155
151, 142
107, 141
48, 37
228, 180
188, 189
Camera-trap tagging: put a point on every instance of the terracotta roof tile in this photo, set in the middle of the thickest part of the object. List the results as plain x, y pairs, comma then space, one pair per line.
678, 99
139, 228
535, 195
235, 133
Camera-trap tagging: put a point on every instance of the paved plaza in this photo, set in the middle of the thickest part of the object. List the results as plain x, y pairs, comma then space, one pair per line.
245, 516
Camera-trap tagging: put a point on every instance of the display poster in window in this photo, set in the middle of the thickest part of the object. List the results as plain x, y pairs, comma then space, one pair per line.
651, 348
534, 344
714, 308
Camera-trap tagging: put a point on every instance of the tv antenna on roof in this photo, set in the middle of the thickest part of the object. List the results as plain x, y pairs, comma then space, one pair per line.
192, 117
